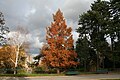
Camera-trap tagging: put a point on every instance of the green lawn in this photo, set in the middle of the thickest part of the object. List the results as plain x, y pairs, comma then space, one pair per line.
29, 75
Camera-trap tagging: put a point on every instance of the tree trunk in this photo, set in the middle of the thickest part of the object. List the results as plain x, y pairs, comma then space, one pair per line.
103, 64
58, 71
112, 50
85, 66
16, 61
97, 60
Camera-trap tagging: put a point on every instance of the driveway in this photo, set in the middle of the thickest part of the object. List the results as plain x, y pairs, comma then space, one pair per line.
77, 77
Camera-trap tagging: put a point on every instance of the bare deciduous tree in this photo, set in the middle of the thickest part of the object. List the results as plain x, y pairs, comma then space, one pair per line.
17, 39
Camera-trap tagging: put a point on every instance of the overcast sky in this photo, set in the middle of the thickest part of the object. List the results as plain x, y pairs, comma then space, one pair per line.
36, 15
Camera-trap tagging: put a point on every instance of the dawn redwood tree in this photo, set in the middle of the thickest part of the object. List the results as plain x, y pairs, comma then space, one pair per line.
3, 30
60, 53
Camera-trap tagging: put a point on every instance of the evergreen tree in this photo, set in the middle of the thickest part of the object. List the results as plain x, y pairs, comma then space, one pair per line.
3, 30
94, 25
114, 29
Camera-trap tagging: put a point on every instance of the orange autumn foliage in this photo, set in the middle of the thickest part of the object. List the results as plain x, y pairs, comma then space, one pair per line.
60, 52
7, 55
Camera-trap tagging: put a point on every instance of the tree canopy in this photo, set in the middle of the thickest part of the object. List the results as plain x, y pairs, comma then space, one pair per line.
3, 30
60, 53
100, 27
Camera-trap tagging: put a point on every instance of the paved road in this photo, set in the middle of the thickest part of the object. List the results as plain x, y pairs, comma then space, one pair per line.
78, 77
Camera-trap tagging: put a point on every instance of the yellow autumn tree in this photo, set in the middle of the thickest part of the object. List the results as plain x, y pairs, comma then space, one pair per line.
7, 56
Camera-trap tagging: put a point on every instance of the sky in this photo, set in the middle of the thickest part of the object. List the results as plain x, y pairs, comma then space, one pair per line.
36, 15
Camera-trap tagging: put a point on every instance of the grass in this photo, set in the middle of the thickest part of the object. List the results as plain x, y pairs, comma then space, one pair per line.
29, 75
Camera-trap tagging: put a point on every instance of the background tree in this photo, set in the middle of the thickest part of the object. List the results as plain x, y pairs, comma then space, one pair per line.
101, 25
38, 63
7, 58
114, 31
3, 30
86, 56
94, 26
18, 39
60, 54
40, 56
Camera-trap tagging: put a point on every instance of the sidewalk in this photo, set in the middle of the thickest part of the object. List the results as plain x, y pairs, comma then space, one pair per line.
76, 77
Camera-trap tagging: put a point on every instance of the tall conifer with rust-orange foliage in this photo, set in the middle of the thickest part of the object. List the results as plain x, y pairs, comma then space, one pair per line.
60, 52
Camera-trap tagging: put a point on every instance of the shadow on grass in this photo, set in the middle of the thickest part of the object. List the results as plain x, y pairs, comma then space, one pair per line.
28, 75
13, 75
